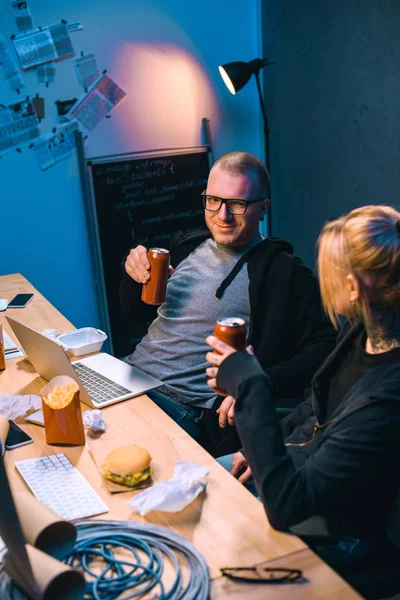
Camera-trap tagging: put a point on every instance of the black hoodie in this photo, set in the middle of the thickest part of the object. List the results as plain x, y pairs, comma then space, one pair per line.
344, 469
288, 330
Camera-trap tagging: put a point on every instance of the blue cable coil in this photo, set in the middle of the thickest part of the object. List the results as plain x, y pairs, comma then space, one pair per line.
146, 549
148, 546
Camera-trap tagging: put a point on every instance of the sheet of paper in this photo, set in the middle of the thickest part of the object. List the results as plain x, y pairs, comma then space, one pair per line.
10, 68
46, 74
23, 16
86, 69
43, 45
74, 26
13, 406
102, 97
18, 125
174, 494
51, 148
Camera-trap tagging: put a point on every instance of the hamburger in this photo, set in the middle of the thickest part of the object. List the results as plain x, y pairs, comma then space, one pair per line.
127, 465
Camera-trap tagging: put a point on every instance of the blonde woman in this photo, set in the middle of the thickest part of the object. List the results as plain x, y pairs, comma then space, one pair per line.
338, 455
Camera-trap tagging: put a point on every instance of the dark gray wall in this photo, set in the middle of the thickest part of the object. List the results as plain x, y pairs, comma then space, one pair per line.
333, 101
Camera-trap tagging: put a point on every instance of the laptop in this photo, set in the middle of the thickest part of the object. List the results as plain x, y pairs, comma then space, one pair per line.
102, 379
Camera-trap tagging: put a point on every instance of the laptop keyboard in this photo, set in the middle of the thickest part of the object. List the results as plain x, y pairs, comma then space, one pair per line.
99, 388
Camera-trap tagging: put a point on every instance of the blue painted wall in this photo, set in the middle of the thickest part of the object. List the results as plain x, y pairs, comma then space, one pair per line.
333, 101
165, 55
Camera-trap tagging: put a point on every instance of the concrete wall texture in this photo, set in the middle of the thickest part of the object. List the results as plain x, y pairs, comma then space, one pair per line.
333, 103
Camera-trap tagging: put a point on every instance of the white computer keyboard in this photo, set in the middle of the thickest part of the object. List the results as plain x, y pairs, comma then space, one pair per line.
9, 345
59, 485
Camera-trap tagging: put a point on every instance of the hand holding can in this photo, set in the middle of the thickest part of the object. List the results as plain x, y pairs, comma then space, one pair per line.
231, 331
153, 291
137, 265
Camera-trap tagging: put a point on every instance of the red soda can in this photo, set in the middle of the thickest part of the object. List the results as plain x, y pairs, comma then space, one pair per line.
232, 331
153, 291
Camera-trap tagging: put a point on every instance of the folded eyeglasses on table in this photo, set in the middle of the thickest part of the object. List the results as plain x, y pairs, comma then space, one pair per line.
262, 574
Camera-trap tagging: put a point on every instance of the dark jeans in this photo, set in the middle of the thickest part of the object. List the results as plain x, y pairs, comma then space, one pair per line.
200, 423
188, 417
226, 462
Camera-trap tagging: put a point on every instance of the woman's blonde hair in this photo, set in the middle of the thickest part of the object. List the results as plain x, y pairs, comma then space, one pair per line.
366, 244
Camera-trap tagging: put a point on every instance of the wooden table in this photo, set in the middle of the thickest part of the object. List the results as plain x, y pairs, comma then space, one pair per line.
227, 524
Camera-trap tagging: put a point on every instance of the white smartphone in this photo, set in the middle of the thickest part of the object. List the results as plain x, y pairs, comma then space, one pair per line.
17, 437
20, 301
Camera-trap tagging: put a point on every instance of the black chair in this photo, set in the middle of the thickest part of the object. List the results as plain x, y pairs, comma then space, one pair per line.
377, 575
284, 406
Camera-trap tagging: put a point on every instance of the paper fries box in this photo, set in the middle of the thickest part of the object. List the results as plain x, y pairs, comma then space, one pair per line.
62, 412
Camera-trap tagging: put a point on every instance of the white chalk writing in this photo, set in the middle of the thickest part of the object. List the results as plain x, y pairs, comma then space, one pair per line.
173, 216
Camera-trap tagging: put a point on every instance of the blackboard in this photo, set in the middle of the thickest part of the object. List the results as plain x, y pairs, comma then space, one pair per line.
141, 199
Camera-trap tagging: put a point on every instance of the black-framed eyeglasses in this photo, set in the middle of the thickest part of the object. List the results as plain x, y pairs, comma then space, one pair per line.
260, 574
235, 206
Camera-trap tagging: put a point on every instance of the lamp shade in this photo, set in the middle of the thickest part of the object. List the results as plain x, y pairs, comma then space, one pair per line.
235, 75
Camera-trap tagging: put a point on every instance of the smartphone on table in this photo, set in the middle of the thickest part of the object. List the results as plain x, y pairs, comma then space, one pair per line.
17, 437
20, 301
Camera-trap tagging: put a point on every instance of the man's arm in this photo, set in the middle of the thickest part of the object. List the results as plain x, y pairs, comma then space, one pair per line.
130, 291
351, 464
311, 334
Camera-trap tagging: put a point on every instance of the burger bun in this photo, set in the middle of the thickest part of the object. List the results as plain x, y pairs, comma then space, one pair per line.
126, 460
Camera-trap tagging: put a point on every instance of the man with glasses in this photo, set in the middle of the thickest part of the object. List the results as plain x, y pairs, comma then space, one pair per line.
228, 271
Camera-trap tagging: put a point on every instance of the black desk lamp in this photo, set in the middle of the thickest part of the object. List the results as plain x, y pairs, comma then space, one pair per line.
235, 76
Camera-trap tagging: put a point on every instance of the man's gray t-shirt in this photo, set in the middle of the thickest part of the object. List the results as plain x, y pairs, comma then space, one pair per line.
174, 348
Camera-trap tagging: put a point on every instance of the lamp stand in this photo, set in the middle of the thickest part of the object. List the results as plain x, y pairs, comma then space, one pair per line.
266, 139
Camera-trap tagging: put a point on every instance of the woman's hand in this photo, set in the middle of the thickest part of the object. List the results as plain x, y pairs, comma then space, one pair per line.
226, 411
240, 469
216, 358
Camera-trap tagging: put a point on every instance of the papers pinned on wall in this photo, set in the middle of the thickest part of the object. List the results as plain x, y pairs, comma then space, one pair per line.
53, 147
43, 45
10, 68
23, 15
103, 96
86, 69
46, 74
18, 125
74, 26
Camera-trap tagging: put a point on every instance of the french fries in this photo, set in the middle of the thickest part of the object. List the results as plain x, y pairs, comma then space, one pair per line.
61, 396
